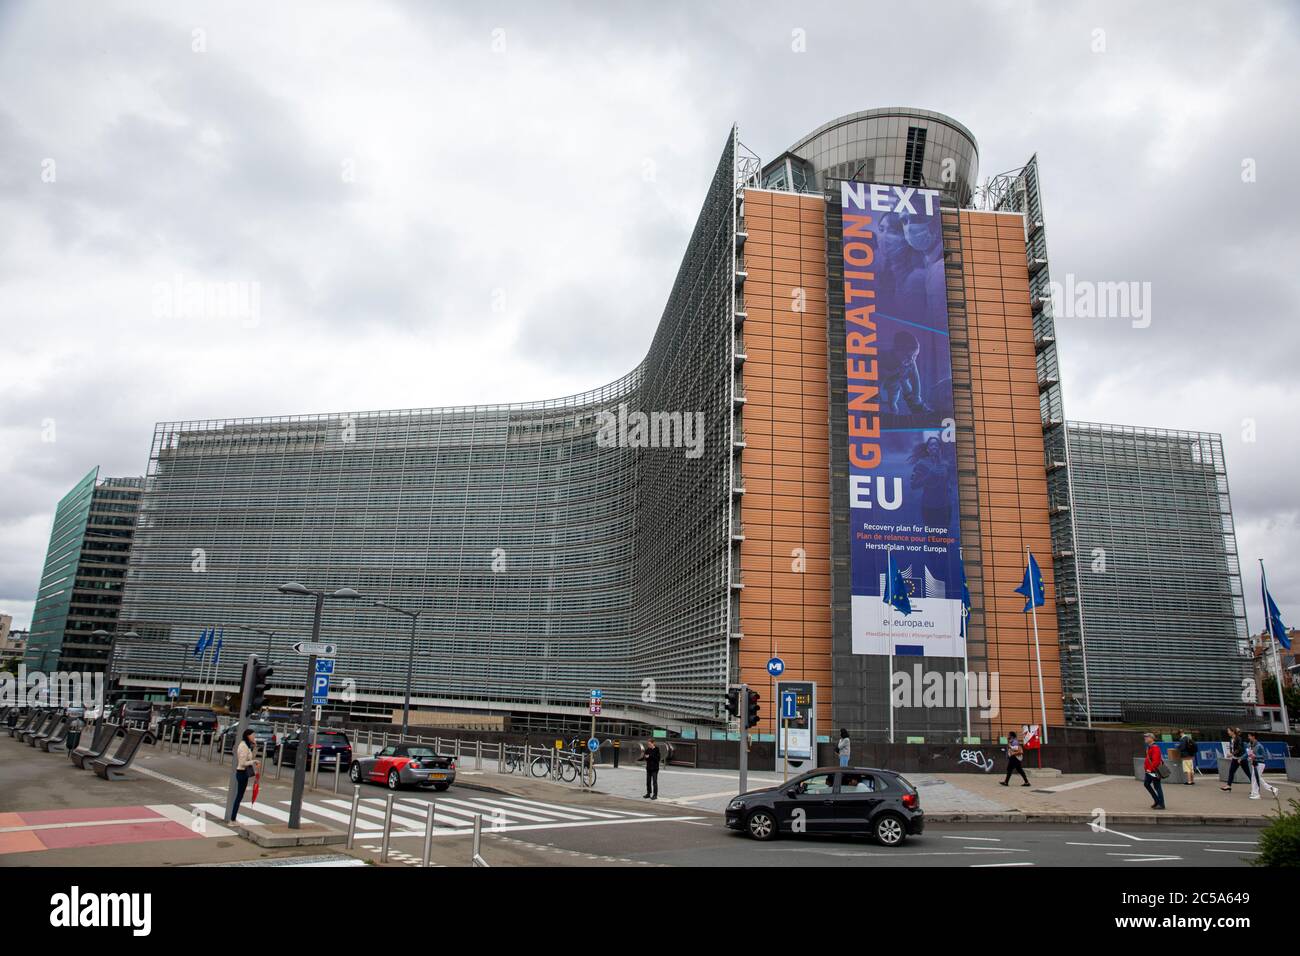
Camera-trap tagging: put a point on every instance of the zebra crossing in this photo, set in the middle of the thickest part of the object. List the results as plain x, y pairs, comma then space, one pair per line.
453, 815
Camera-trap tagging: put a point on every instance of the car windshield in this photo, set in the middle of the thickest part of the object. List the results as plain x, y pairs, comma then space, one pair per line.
332, 739
420, 752
200, 715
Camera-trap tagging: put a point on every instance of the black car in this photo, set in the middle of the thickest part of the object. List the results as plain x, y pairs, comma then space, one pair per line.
263, 735
188, 720
131, 713
828, 801
333, 745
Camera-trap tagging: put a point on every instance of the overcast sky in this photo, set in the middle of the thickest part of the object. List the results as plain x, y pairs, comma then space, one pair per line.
441, 204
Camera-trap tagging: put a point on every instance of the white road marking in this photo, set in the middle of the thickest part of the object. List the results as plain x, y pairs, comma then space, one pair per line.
976, 866
1076, 784
211, 828
1129, 836
610, 814
970, 838
1120, 845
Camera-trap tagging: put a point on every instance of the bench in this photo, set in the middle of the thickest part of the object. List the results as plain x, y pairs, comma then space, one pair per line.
99, 745
57, 737
114, 767
58, 727
25, 722
41, 725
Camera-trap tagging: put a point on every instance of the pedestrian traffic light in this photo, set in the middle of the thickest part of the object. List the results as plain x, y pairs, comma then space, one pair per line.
751, 709
733, 702
258, 686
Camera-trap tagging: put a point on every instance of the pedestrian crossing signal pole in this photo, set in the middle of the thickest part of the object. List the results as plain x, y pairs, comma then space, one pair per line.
250, 669
741, 719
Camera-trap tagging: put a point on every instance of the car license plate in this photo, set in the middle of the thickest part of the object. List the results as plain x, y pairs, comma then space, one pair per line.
437, 776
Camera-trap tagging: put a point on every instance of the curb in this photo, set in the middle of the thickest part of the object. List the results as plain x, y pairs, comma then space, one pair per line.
1145, 819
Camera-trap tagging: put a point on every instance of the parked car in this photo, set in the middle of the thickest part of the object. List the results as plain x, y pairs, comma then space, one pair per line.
862, 801
263, 735
333, 745
411, 765
181, 720
133, 713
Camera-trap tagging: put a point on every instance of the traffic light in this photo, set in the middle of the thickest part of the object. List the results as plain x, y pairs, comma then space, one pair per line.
751, 709
258, 686
733, 702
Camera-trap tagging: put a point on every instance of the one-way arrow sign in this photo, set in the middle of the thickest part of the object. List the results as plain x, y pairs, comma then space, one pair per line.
319, 648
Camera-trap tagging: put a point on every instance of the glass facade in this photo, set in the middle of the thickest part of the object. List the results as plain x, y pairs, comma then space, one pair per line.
545, 560
85, 564
1160, 583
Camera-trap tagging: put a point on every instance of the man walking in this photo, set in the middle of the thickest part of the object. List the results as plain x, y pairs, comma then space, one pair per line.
1015, 754
1187, 750
1151, 765
842, 747
1237, 755
651, 770
1256, 755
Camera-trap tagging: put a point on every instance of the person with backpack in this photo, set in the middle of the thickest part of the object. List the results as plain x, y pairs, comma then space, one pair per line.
1187, 750
1256, 755
1237, 756
1154, 766
1015, 754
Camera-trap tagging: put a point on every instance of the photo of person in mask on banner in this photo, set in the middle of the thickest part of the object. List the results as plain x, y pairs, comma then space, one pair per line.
933, 474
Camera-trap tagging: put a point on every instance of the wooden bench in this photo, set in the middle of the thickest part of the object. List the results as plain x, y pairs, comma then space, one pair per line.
99, 745
115, 767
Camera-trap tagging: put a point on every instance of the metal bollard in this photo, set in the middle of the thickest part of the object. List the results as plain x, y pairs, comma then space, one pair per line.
388, 826
476, 859
352, 816
338, 762
279, 759
315, 767
501, 757
478, 755
428, 834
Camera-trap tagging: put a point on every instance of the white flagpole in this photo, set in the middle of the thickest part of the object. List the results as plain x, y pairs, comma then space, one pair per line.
1277, 662
1033, 610
965, 667
203, 666
889, 586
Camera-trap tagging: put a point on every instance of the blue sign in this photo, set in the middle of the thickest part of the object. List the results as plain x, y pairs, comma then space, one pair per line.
1208, 754
320, 691
596, 694
902, 457
173, 692
776, 667
593, 744
324, 665
789, 709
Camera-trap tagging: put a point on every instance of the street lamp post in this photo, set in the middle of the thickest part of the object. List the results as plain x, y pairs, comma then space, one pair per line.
108, 665
305, 726
257, 630
410, 663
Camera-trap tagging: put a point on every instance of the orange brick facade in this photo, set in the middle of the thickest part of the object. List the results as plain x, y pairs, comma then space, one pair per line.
785, 605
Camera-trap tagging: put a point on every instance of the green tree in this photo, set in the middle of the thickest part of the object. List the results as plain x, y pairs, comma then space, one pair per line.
1279, 842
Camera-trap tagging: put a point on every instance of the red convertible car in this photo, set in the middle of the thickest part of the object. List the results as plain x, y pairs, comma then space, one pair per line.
401, 765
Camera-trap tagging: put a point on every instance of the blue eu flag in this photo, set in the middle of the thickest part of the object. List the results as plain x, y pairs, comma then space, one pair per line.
1032, 586
965, 596
895, 587
1276, 629
202, 644
216, 657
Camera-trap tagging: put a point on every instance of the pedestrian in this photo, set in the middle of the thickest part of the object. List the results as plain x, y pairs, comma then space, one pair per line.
1236, 755
1256, 754
1187, 749
1015, 754
245, 766
842, 748
1155, 769
651, 770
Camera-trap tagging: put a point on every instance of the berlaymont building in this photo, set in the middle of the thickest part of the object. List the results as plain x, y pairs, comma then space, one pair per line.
855, 368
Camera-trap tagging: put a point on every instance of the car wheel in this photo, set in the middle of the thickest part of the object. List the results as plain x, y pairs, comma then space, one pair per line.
890, 830
394, 780
761, 825
354, 773
441, 787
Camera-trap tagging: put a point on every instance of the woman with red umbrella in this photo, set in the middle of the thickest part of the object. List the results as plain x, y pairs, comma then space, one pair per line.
245, 766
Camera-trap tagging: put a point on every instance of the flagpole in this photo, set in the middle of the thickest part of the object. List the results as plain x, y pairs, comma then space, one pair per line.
889, 687
965, 668
1277, 662
1038, 656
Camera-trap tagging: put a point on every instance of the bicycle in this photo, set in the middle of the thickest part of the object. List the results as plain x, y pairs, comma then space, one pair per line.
515, 760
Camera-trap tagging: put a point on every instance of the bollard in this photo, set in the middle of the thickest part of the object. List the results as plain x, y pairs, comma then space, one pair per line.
428, 834
352, 817
501, 756
476, 859
478, 755
315, 767
388, 826
279, 759
338, 762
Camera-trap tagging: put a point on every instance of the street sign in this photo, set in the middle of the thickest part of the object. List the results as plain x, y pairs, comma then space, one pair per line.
320, 689
789, 711
593, 744
319, 648
324, 665
559, 744
595, 708
173, 692
596, 693
776, 667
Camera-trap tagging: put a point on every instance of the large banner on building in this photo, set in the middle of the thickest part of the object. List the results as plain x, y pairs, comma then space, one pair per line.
901, 437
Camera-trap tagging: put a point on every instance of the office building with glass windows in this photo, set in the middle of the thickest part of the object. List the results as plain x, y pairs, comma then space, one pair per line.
1153, 614
669, 534
81, 584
